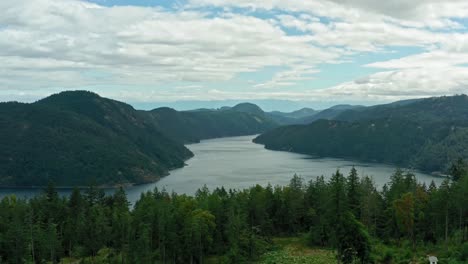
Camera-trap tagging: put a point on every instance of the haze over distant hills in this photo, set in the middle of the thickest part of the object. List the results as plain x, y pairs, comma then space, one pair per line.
268, 105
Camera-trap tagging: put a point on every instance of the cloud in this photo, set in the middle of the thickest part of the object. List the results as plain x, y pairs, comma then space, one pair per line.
416, 10
433, 60
49, 45
380, 87
54, 39
290, 77
432, 12
369, 26
404, 84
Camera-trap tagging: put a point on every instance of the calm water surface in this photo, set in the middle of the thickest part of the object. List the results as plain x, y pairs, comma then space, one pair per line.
238, 163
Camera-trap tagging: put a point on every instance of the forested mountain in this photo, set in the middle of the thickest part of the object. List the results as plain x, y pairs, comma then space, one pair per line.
301, 113
426, 134
296, 117
78, 138
276, 117
193, 126
301, 116
329, 113
248, 108
431, 110
308, 115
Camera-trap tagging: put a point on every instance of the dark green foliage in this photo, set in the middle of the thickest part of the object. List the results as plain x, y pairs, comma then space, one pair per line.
79, 138
193, 126
353, 192
458, 169
445, 109
296, 115
464, 252
248, 108
427, 134
76, 138
403, 222
353, 240
329, 113
337, 206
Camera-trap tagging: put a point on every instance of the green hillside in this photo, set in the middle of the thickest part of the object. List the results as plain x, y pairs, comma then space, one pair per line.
329, 113
79, 138
42, 142
193, 126
426, 134
431, 110
301, 113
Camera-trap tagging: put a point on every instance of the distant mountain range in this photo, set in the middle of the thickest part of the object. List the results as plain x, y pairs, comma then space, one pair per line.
301, 116
427, 134
330, 113
267, 105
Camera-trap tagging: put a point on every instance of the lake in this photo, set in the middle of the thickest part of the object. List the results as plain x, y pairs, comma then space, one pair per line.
238, 163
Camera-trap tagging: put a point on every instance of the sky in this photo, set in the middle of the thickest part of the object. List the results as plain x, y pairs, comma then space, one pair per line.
157, 52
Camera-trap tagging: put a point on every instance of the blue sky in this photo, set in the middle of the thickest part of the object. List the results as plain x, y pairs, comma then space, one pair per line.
312, 53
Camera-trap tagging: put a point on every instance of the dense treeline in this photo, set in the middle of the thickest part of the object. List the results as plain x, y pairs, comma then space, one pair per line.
404, 220
426, 134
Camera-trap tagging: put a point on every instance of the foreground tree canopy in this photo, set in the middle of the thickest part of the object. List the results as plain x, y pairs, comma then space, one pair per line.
347, 213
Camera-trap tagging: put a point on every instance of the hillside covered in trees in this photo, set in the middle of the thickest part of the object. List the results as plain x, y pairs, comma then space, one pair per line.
347, 216
193, 126
427, 134
78, 138
445, 109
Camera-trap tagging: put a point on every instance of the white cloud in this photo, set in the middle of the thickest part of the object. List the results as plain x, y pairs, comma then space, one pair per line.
290, 77
68, 44
430, 60
422, 11
371, 26
404, 84
138, 45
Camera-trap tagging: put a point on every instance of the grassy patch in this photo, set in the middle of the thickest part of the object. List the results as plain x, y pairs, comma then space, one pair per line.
293, 250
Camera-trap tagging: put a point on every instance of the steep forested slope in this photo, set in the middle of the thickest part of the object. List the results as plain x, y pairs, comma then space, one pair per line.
193, 126
329, 113
431, 110
78, 138
301, 113
427, 134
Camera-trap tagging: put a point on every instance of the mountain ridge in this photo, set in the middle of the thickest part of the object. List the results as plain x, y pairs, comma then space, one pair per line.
419, 134
77, 138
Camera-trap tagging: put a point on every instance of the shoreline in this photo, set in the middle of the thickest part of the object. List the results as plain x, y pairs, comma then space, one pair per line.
123, 185
435, 174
